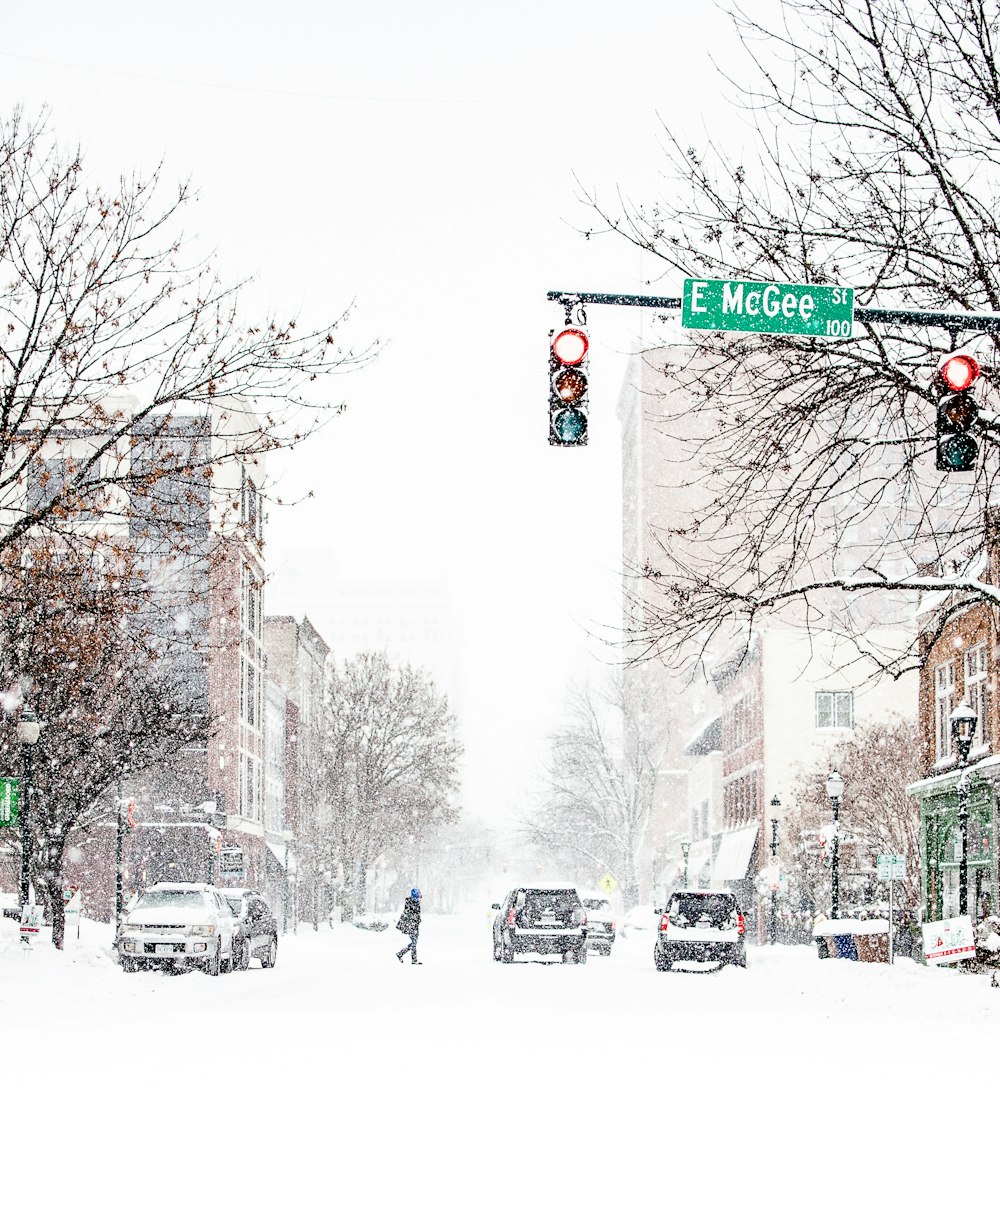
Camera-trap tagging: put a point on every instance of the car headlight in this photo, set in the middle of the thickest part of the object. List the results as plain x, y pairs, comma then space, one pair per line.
203, 929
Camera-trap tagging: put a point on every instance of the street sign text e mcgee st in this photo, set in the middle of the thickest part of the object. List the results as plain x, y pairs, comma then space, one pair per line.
768, 307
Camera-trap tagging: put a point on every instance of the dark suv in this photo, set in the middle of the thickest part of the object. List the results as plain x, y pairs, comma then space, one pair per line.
540, 919
701, 927
256, 933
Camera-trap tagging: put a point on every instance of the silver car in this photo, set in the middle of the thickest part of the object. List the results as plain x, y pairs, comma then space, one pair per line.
178, 924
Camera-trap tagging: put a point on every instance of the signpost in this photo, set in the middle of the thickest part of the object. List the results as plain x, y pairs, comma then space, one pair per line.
31, 921
10, 799
891, 868
768, 307
73, 908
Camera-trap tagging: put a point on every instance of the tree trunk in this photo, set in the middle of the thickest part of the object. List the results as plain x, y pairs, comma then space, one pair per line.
360, 888
54, 893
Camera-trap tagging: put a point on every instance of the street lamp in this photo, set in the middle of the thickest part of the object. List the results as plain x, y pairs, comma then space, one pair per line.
28, 730
835, 789
775, 807
963, 728
685, 851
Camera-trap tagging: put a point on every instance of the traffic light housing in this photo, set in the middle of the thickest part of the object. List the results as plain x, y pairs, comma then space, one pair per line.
957, 411
569, 378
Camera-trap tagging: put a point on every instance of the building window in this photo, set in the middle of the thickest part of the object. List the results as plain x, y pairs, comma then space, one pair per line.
944, 703
835, 709
976, 695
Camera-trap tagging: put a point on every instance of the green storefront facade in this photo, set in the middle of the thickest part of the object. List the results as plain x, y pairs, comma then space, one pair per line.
940, 846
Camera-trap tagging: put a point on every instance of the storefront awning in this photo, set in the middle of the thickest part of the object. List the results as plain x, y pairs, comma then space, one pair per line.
278, 850
734, 854
705, 739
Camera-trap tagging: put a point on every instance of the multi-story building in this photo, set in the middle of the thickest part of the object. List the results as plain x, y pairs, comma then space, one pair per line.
733, 732
196, 531
961, 665
296, 661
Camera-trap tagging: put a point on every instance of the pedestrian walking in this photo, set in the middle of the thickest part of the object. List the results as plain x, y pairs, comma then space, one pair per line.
409, 924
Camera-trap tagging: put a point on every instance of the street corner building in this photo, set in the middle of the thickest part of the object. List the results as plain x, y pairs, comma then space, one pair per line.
959, 670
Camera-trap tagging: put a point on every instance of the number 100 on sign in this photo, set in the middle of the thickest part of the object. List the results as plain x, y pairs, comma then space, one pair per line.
768, 307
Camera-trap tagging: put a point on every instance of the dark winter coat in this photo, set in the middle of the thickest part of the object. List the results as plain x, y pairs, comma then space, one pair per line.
410, 919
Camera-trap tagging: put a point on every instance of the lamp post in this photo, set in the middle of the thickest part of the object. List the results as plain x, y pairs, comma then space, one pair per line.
28, 730
775, 806
835, 789
963, 728
685, 851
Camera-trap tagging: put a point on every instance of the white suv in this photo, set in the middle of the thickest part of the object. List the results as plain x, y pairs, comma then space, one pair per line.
178, 924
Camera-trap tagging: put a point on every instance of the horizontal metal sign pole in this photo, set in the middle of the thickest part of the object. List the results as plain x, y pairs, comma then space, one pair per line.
987, 321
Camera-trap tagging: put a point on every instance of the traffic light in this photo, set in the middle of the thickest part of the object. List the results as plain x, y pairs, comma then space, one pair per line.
569, 360
957, 411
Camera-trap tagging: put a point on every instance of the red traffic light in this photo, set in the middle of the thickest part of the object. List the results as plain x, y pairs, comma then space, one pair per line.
570, 346
958, 371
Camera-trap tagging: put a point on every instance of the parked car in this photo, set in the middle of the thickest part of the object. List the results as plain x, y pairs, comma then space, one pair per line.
701, 927
256, 928
178, 924
540, 919
601, 925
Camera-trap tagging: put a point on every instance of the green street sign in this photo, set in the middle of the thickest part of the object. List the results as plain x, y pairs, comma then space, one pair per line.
891, 867
768, 307
10, 798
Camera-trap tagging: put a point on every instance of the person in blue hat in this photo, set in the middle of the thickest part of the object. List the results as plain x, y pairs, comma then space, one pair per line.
409, 924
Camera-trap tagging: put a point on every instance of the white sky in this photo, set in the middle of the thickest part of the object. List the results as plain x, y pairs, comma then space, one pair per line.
420, 159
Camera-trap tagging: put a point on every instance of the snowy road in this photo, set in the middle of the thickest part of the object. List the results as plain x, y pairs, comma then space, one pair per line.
349, 1091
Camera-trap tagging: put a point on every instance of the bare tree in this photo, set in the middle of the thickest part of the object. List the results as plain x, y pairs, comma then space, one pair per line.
391, 763
873, 163
601, 774
876, 818
78, 653
118, 346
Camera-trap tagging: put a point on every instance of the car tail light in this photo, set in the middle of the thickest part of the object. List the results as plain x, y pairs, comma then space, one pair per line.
665, 919
741, 926
583, 918
510, 916
612, 925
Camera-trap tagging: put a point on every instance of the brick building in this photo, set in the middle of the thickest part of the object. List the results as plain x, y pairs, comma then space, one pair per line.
961, 665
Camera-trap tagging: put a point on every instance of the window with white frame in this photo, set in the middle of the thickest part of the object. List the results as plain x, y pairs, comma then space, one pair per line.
835, 709
944, 703
976, 696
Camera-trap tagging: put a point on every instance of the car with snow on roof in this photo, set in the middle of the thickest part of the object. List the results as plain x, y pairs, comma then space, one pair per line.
177, 924
601, 923
701, 926
540, 919
256, 928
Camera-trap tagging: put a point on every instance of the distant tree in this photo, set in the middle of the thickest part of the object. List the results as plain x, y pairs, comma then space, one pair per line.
594, 806
390, 769
114, 338
877, 817
75, 651
872, 161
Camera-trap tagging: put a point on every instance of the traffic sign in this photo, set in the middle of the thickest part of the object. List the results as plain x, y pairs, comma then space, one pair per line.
891, 867
768, 307
608, 883
10, 798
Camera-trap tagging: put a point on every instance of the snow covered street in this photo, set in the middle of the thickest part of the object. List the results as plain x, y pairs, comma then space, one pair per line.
344, 1090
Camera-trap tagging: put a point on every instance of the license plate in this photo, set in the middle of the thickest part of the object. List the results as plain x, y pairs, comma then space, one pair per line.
704, 923
164, 949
